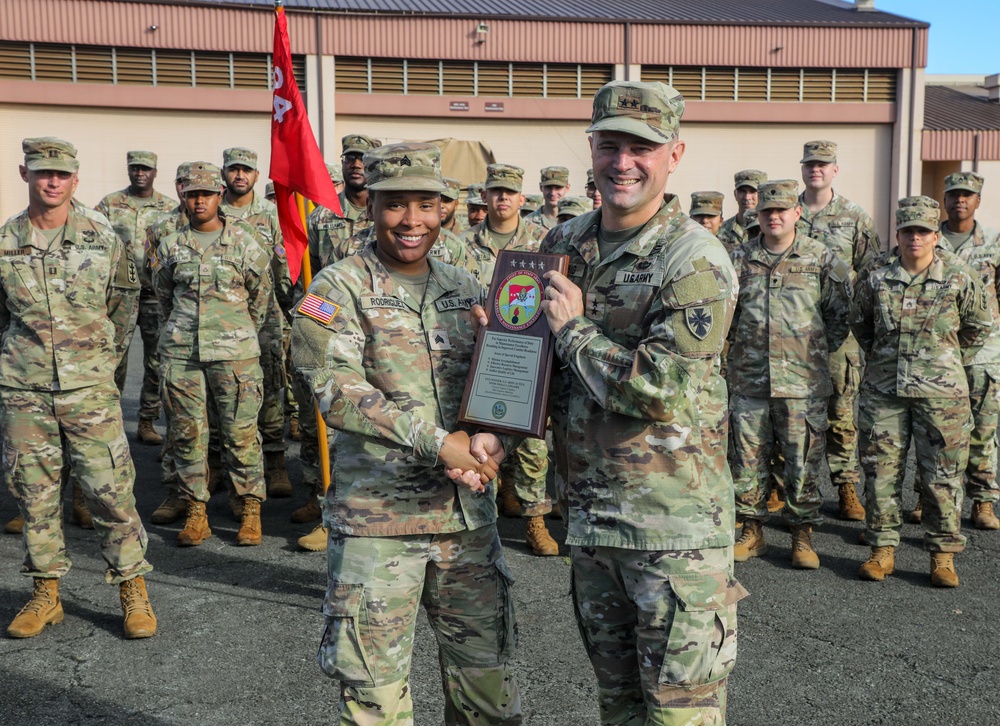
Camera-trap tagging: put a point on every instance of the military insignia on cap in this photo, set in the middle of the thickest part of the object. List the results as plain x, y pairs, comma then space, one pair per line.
699, 321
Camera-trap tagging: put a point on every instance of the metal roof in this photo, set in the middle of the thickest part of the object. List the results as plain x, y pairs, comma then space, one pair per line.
948, 109
770, 12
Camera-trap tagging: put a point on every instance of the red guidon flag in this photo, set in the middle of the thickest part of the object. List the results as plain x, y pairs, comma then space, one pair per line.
296, 162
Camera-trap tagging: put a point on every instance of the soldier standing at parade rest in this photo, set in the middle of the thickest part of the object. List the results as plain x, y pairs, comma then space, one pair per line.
131, 212
213, 281
554, 185
706, 210
69, 294
639, 402
846, 229
920, 318
794, 308
384, 342
734, 230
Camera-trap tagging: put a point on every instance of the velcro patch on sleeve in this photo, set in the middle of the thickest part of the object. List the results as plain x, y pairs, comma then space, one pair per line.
318, 308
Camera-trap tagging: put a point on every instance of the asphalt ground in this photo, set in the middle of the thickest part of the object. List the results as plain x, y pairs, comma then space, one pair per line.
239, 628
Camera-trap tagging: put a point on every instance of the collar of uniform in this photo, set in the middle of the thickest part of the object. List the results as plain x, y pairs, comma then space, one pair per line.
831, 209
667, 216
978, 238
438, 283
737, 227
934, 272
26, 231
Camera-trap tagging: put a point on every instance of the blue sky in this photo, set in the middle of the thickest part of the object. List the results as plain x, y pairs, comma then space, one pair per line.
963, 35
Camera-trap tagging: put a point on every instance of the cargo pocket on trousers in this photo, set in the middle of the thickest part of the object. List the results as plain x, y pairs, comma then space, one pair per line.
249, 393
343, 650
853, 372
120, 454
506, 617
11, 457
701, 644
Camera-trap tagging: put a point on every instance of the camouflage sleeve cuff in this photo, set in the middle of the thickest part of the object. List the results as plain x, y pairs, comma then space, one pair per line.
427, 440
573, 336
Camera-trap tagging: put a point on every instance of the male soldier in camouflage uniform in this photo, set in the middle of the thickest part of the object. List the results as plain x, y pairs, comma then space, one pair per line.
794, 308
384, 341
638, 399
979, 247
213, 281
451, 221
240, 174
734, 230
706, 210
570, 207
554, 185
522, 481
354, 198
475, 206
68, 296
846, 229
531, 203
593, 194
131, 211
920, 319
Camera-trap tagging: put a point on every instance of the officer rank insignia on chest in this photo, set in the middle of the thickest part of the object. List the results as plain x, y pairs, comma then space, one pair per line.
699, 321
318, 308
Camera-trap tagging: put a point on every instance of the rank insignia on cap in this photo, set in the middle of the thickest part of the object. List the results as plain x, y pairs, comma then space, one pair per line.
318, 308
699, 321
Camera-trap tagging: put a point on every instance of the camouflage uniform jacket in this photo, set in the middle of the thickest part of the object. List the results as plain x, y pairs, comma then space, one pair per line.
732, 234
357, 216
65, 314
639, 399
482, 253
981, 252
131, 217
262, 215
791, 313
916, 331
538, 218
214, 301
448, 248
391, 372
845, 228
459, 224
324, 229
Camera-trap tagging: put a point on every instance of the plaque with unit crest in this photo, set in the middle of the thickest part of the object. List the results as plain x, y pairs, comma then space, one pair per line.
508, 386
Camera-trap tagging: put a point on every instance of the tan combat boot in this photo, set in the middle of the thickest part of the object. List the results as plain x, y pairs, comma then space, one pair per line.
147, 434
14, 526
983, 516
539, 539
881, 562
294, 432
917, 515
250, 533
804, 557
79, 514
775, 502
170, 509
279, 485
316, 540
139, 619
751, 542
507, 502
44, 608
196, 528
943, 570
850, 508
308, 512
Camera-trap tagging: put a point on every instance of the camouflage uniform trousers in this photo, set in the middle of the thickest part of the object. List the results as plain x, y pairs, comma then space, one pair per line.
789, 430
271, 420
189, 388
939, 429
43, 431
981, 472
376, 585
149, 329
527, 468
660, 631
842, 436
309, 447
291, 402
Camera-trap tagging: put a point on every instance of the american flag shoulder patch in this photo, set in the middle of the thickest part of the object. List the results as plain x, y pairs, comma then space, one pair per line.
318, 308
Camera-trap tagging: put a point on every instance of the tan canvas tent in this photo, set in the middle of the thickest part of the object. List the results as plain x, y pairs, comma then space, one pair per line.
464, 160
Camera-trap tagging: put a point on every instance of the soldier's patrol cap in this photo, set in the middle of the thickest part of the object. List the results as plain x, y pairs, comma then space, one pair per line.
48, 152
969, 181
707, 203
752, 178
358, 144
454, 190
778, 194
532, 202
141, 158
202, 176
750, 219
920, 212
651, 111
825, 151
336, 173
404, 167
590, 177
573, 206
269, 190
182, 170
239, 156
504, 176
555, 176
475, 195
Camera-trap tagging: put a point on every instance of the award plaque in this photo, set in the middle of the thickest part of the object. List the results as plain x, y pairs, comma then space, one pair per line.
508, 386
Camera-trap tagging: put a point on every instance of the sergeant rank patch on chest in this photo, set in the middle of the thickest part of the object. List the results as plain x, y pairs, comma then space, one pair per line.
318, 308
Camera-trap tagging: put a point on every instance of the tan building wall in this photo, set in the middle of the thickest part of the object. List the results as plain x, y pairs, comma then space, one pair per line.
989, 209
